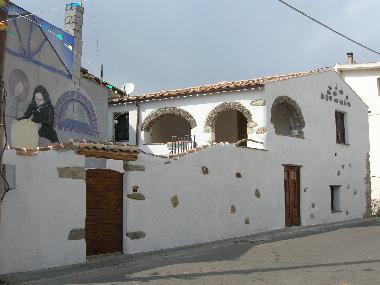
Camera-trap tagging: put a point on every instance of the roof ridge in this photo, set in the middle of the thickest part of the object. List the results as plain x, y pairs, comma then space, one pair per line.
218, 87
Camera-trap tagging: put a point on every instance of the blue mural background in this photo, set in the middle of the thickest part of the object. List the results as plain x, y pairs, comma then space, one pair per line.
60, 41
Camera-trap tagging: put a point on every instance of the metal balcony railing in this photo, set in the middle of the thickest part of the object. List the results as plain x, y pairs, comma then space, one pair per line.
180, 144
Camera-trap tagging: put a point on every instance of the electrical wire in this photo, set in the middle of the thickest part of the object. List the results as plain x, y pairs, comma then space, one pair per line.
327, 27
95, 29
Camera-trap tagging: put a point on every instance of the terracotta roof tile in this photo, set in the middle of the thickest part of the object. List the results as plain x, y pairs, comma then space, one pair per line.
217, 87
111, 147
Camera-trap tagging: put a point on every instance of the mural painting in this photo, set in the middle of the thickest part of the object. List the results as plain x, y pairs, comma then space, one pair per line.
75, 113
41, 111
19, 88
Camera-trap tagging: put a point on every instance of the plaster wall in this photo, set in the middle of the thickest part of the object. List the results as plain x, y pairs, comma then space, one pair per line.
39, 214
364, 82
204, 210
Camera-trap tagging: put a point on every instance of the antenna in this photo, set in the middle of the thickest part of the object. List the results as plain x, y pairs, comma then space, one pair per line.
128, 88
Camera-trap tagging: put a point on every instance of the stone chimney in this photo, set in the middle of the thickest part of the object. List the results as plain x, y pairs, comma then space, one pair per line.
350, 58
73, 26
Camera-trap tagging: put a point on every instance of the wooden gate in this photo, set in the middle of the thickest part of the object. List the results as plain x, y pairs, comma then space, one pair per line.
292, 196
104, 211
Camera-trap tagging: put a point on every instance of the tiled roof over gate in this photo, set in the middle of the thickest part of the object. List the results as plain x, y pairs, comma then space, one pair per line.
112, 150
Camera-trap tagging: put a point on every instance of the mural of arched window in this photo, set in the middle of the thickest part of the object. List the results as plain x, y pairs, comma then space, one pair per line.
163, 124
74, 112
229, 122
287, 118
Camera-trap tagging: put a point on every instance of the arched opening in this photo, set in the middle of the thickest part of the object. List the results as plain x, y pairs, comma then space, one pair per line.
282, 120
230, 126
168, 126
287, 118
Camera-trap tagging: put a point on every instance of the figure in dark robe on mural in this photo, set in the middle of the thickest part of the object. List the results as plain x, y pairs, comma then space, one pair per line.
41, 111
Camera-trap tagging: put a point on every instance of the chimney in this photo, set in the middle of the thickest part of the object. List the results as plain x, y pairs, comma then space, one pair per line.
73, 26
350, 58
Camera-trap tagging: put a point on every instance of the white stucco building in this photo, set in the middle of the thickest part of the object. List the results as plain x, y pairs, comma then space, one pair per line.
364, 79
309, 127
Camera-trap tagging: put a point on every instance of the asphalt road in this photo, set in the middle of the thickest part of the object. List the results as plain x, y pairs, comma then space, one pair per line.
336, 254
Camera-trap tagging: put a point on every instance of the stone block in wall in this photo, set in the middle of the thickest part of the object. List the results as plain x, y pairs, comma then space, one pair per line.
259, 102
261, 131
133, 167
136, 196
175, 201
72, 172
77, 234
136, 235
257, 193
204, 170
207, 129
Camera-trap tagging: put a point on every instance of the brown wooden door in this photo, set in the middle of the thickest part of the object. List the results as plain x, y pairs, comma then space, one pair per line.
292, 196
104, 211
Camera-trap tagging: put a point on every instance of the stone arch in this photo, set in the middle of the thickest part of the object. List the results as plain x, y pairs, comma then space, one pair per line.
155, 115
228, 106
295, 111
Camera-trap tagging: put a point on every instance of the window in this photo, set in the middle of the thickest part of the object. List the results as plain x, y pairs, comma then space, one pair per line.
335, 198
340, 127
121, 126
378, 86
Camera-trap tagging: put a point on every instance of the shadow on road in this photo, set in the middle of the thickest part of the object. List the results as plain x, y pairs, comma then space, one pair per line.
191, 276
227, 250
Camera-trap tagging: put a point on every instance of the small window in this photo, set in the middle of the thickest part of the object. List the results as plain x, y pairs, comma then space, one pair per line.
340, 127
121, 126
335, 198
378, 86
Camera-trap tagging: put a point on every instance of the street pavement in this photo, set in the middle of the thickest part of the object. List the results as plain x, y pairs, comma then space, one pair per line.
341, 253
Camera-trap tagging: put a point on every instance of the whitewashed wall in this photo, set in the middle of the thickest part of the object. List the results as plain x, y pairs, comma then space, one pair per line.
37, 216
324, 161
364, 82
204, 210
198, 106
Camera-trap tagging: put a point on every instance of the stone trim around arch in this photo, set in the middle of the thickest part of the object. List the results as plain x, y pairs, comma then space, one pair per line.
227, 106
295, 110
155, 115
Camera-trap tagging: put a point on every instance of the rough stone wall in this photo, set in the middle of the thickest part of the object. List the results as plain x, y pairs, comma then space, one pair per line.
227, 106
299, 121
155, 115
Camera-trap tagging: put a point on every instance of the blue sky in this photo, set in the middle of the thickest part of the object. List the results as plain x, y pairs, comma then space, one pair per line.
170, 44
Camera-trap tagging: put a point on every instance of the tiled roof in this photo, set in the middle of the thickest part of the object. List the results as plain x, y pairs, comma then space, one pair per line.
217, 87
97, 80
112, 148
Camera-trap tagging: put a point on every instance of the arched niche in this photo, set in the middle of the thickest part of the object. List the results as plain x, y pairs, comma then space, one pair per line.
287, 117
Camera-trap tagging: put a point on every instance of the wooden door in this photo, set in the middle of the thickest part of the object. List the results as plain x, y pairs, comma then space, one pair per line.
104, 211
292, 196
